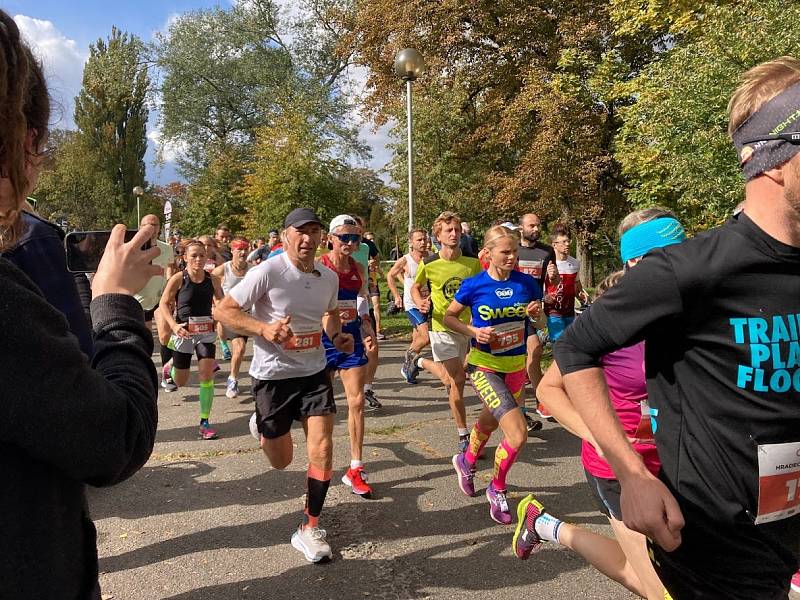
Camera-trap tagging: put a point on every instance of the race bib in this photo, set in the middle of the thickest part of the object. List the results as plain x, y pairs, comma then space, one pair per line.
200, 325
644, 431
531, 267
348, 311
778, 482
509, 336
303, 341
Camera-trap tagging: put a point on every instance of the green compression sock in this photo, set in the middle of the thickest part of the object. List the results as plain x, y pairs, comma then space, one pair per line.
206, 398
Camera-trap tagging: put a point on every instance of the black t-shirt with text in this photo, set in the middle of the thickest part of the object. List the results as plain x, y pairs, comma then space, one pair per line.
534, 260
720, 314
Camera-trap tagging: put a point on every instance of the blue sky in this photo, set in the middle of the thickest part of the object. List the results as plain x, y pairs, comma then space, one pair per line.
60, 31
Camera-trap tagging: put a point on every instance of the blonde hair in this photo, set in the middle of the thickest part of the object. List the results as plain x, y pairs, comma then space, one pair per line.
644, 215
445, 217
758, 86
496, 233
609, 282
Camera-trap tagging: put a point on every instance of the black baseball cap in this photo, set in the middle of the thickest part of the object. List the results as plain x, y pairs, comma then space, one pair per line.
301, 216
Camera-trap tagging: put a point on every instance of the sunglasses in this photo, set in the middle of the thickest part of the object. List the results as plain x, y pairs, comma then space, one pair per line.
348, 238
793, 137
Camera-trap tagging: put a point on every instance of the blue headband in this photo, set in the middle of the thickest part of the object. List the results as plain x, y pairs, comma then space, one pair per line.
639, 240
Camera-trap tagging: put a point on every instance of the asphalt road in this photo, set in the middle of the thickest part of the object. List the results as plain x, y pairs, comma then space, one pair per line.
212, 519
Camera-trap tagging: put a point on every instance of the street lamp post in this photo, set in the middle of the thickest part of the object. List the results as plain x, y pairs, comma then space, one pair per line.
138, 191
409, 65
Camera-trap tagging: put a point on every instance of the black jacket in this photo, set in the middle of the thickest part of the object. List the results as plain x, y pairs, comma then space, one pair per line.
64, 423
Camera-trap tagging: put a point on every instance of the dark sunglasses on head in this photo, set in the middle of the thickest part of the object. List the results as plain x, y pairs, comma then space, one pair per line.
348, 238
793, 137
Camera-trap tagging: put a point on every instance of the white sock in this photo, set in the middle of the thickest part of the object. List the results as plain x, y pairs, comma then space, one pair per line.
418, 361
462, 432
547, 527
367, 387
354, 464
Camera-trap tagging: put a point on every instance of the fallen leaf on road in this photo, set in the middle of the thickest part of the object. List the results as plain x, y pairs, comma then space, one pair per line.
106, 596
123, 536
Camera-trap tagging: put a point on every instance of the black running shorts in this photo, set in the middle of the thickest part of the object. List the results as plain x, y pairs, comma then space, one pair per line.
738, 561
280, 402
607, 494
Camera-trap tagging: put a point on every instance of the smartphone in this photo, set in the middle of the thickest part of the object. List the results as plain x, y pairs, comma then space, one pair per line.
85, 249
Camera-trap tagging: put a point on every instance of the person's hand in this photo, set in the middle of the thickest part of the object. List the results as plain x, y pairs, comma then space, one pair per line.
398, 302
125, 268
549, 298
425, 307
649, 508
552, 271
278, 331
181, 331
534, 308
484, 335
344, 343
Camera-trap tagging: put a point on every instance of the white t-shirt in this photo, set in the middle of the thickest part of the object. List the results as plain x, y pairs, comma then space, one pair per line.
277, 288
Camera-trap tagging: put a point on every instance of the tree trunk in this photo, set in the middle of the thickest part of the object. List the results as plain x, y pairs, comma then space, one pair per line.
585, 255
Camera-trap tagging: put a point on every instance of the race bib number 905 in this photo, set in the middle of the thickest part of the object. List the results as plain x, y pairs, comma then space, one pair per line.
200, 325
778, 482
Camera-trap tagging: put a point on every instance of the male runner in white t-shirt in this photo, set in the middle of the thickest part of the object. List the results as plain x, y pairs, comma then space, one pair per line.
289, 296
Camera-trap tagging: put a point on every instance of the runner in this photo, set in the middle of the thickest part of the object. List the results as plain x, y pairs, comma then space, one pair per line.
374, 290
500, 300
723, 384
223, 238
290, 295
560, 296
366, 251
443, 273
406, 267
624, 560
190, 295
213, 258
538, 260
230, 274
352, 367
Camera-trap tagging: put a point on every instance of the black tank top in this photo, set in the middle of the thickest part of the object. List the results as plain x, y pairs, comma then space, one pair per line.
194, 299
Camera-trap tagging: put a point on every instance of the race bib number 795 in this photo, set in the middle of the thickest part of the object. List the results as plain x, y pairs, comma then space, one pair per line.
778, 482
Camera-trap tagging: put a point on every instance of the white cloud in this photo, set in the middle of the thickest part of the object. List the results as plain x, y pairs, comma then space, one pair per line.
63, 65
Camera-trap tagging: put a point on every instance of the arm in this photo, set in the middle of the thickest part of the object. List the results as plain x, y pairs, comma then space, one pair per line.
167, 305
483, 335
332, 325
552, 393
218, 272
647, 294
423, 304
393, 276
217, 281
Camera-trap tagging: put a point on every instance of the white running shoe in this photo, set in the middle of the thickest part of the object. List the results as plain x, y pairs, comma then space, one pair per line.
233, 388
311, 542
254, 428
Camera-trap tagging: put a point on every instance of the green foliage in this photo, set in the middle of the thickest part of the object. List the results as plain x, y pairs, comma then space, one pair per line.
673, 146
111, 113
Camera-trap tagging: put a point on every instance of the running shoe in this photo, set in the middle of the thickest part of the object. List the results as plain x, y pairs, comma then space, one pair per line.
254, 428
532, 424
463, 444
796, 582
410, 370
542, 411
311, 542
206, 433
372, 402
498, 505
465, 474
380, 336
357, 480
233, 388
168, 385
526, 540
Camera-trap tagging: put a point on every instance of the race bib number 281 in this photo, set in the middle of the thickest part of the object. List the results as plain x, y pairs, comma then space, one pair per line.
778, 482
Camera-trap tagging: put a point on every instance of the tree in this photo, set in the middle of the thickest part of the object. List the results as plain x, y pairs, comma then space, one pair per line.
72, 186
111, 113
674, 147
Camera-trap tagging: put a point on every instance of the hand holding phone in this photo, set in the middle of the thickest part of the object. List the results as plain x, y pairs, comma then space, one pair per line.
125, 267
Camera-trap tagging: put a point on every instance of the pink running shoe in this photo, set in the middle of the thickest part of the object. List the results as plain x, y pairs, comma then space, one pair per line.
796, 582
206, 433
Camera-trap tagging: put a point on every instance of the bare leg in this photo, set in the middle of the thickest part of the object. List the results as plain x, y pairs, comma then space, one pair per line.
455, 372
237, 351
353, 382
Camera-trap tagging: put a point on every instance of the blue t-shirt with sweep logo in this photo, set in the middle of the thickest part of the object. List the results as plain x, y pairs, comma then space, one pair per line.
501, 305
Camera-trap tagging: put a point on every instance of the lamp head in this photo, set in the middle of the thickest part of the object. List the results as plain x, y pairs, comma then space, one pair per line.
409, 64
